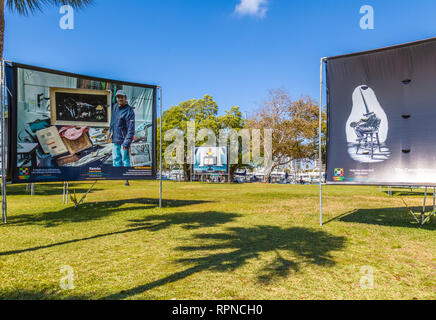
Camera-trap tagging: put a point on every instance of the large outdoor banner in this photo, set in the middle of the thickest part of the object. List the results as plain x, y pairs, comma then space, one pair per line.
67, 127
382, 116
210, 160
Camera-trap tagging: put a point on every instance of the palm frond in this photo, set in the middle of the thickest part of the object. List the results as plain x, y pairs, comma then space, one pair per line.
26, 7
23, 7
76, 4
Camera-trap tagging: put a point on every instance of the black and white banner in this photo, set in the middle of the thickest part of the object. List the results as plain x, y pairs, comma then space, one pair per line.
382, 116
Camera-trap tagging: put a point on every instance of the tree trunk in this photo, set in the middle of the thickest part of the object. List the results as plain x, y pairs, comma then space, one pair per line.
267, 176
187, 172
231, 176
268, 172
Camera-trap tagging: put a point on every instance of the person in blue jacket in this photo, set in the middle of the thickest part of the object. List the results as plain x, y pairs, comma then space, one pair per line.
122, 130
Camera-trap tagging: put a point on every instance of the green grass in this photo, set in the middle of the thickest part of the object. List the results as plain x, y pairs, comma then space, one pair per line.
221, 241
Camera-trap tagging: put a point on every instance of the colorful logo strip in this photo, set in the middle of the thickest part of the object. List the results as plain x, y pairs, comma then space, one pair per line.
23, 173
339, 174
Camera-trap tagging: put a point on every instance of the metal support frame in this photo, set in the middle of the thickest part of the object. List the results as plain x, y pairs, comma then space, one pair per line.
160, 149
320, 138
65, 192
422, 218
191, 165
74, 199
3, 140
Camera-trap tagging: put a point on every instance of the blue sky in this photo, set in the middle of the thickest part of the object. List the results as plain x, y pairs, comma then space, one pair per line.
231, 50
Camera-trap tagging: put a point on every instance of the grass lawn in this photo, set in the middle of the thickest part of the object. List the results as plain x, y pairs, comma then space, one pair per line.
215, 241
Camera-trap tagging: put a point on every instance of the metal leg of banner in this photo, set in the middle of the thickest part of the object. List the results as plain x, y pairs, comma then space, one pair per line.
425, 219
77, 203
160, 148
320, 139
64, 187
410, 211
434, 208
424, 205
3, 147
434, 199
32, 189
422, 218
67, 192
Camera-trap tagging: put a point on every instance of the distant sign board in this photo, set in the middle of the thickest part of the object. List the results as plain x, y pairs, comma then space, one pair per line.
210, 160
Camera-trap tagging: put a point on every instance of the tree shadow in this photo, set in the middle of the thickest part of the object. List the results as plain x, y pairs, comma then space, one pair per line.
233, 249
189, 220
390, 217
94, 211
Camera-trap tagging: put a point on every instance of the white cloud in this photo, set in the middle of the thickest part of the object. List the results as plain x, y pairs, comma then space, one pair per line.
256, 8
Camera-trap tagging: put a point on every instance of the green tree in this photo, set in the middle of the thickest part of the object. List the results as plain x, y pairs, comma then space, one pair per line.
233, 120
26, 7
294, 126
204, 113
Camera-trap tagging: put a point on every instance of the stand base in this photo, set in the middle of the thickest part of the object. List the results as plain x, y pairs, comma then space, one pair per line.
75, 199
422, 218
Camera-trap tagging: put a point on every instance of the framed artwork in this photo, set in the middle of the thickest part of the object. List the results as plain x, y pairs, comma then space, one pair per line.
51, 141
80, 107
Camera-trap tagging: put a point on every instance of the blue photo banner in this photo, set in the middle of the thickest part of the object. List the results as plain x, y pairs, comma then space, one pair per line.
70, 127
210, 160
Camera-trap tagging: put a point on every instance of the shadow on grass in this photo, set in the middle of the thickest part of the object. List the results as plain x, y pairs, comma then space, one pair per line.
243, 244
408, 193
189, 220
94, 211
391, 217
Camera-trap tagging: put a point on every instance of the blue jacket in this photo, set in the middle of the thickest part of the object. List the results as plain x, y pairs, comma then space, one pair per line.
122, 128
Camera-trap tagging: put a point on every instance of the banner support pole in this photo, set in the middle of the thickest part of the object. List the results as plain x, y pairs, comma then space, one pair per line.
228, 162
3, 147
160, 148
320, 139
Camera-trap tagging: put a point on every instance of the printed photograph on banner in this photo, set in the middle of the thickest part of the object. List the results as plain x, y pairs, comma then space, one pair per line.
210, 160
65, 122
367, 128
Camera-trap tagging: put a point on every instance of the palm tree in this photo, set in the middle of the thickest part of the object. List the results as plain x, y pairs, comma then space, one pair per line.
26, 7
